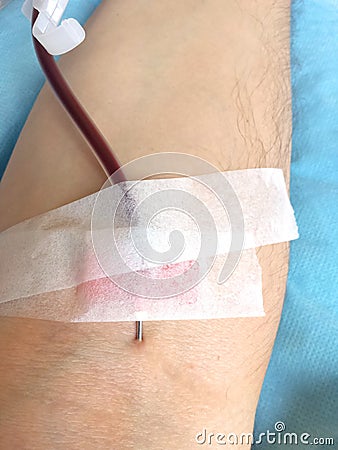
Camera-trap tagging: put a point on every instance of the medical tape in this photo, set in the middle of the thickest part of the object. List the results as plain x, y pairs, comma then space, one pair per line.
60, 266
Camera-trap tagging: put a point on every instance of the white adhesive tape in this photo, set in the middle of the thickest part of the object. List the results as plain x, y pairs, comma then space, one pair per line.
52, 267
103, 301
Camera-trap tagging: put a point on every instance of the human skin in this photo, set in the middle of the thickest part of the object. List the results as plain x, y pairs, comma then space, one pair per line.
206, 78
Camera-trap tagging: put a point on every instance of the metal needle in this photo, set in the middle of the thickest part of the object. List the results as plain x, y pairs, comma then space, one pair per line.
139, 331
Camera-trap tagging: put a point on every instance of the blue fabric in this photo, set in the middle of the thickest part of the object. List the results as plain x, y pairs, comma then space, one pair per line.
20, 75
301, 386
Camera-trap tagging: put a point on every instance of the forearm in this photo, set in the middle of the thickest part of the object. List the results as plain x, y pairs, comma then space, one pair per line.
206, 78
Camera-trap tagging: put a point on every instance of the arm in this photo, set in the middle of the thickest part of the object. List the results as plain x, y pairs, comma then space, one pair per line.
207, 78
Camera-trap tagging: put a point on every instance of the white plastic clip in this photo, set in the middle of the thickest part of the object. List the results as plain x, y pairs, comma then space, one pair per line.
56, 38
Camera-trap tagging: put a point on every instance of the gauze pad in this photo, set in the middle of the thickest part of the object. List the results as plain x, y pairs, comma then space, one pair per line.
101, 258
